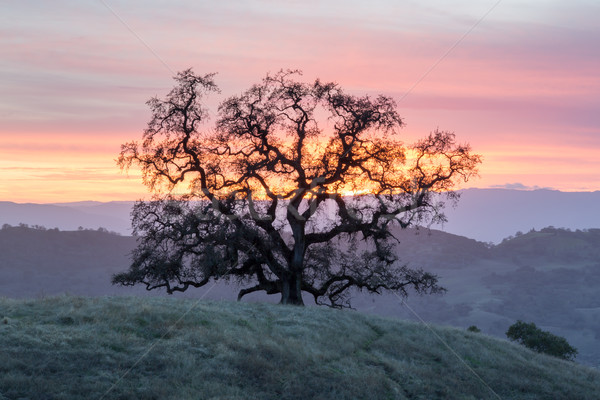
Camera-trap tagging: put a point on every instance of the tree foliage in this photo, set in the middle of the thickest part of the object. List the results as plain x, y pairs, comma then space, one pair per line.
293, 189
529, 335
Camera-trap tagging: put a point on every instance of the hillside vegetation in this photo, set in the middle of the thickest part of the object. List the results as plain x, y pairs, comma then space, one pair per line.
165, 348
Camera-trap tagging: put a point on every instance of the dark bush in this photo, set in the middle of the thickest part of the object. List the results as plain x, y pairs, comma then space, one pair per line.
541, 341
473, 328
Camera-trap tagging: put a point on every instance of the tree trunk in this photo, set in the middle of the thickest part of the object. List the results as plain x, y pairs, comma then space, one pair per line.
291, 292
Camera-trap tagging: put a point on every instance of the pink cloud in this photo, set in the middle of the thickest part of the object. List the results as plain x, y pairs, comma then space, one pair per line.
75, 80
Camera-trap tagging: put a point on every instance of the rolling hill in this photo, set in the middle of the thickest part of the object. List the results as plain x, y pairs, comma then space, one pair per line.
150, 348
490, 215
113, 216
535, 277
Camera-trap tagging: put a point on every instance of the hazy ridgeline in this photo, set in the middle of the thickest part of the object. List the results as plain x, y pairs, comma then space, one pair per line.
487, 215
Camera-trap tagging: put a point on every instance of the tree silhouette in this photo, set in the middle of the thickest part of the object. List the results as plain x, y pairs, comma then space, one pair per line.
295, 188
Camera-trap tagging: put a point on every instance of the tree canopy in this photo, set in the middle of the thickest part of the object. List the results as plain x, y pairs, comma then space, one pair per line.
529, 335
294, 188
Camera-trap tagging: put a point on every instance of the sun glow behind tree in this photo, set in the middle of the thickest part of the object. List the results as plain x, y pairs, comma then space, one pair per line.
267, 190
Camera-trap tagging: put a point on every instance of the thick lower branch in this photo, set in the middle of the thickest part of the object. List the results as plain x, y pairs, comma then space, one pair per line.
270, 287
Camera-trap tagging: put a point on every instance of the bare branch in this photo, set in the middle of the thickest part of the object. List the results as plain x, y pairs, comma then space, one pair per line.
290, 174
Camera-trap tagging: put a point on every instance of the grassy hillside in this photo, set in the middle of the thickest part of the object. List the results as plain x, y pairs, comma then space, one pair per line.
157, 348
550, 277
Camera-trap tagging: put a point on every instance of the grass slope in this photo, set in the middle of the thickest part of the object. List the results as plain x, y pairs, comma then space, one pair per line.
157, 348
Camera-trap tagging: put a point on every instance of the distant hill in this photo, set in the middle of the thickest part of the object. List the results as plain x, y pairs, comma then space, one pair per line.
38, 262
550, 277
119, 347
487, 215
552, 246
113, 216
490, 215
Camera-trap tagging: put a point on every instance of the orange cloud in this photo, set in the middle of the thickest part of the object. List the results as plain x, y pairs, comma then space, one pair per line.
522, 87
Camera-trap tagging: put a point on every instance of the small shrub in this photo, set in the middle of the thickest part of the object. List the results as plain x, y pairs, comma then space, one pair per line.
473, 328
541, 341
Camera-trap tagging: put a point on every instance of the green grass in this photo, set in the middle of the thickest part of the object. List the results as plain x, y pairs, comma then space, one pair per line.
165, 348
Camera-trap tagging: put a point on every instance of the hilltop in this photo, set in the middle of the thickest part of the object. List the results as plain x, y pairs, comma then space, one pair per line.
117, 347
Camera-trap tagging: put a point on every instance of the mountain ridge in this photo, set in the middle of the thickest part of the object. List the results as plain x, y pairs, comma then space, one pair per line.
486, 215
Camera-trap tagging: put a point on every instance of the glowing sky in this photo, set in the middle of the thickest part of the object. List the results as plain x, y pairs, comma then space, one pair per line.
519, 80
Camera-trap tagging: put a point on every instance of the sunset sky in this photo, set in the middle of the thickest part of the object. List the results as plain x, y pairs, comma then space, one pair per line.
518, 80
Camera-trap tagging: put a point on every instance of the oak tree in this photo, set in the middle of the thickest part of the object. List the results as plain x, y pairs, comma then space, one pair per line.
296, 187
